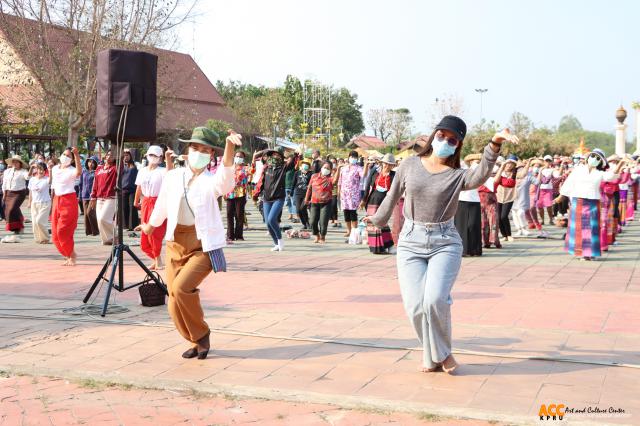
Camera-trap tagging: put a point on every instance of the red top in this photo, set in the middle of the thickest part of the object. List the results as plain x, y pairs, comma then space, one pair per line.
104, 183
321, 188
383, 181
506, 182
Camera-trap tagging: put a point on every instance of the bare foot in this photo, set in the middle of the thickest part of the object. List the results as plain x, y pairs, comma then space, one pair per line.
322, 241
66, 263
71, 261
449, 365
152, 267
432, 369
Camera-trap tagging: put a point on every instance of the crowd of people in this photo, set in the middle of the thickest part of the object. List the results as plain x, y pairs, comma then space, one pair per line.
432, 208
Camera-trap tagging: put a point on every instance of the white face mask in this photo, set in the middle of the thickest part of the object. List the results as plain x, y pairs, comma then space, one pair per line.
353, 160
65, 160
198, 160
153, 160
325, 172
238, 160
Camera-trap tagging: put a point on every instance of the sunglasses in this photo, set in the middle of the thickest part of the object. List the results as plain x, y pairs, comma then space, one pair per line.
450, 141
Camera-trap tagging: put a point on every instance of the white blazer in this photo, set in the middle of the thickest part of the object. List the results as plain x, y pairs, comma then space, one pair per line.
203, 198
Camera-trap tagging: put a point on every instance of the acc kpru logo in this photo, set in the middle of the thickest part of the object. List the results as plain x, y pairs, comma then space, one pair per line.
551, 411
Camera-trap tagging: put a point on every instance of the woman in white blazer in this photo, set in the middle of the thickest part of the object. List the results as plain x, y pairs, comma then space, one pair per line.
195, 234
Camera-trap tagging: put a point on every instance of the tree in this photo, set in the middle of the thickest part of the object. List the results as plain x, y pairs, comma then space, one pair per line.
39, 31
347, 113
401, 121
380, 121
569, 123
520, 124
448, 104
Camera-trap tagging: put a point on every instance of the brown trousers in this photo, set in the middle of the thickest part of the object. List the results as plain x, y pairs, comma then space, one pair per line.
90, 219
187, 267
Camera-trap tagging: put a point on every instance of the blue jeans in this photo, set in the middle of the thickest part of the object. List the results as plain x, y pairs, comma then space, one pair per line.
429, 258
272, 210
288, 201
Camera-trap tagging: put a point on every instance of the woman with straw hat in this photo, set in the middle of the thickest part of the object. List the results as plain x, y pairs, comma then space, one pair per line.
14, 192
375, 191
506, 194
583, 188
195, 233
430, 249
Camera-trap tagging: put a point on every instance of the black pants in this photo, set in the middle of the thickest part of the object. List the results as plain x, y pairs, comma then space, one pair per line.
468, 222
334, 208
503, 221
350, 215
130, 212
235, 218
301, 208
320, 213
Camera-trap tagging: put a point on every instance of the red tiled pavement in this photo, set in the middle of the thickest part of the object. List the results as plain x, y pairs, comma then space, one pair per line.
528, 299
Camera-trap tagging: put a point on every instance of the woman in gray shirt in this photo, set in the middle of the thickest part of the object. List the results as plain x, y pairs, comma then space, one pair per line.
429, 247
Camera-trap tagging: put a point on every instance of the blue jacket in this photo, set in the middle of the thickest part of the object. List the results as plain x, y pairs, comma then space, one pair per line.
86, 181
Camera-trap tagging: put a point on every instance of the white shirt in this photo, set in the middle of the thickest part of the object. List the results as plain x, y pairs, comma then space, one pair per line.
63, 180
150, 181
203, 198
39, 188
15, 180
584, 184
470, 196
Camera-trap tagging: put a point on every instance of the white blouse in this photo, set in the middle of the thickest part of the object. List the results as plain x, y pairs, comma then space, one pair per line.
39, 188
583, 183
150, 181
203, 195
15, 180
63, 180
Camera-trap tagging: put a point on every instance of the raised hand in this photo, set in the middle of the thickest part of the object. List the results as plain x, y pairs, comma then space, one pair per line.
505, 136
234, 138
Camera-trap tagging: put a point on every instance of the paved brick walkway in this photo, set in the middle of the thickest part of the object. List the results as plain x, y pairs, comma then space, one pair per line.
298, 326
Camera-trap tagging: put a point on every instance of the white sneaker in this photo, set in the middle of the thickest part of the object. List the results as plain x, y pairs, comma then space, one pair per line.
510, 239
518, 233
275, 248
280, 245
525, 233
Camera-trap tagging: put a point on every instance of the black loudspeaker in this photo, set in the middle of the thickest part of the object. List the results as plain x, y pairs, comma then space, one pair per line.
126, 79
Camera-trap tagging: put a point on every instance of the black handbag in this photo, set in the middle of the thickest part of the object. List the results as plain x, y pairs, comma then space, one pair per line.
150, 293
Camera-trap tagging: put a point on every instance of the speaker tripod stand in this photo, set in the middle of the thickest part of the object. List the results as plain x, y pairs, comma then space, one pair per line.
115, 262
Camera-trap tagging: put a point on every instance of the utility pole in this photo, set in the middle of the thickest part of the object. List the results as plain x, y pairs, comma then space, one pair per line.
481, 92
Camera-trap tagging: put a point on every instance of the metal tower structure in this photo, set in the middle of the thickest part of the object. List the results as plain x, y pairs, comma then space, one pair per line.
316, 113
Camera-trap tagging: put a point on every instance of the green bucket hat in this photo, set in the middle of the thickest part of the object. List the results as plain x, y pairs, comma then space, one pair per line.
204, 136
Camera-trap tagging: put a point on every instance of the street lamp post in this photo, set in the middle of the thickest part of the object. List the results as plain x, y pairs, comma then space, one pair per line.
482, 92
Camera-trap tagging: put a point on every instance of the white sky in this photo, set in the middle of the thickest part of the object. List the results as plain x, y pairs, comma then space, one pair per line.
544, 58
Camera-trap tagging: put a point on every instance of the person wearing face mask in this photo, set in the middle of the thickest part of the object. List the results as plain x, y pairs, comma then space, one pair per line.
506, 194
40, 204
522, 203
14, 192
86, 185
544, 199
300, 184
237, 200
64, 210
148, 183
375, 191
489, 213
430, 249
623, 188
582, 187
318, 198
534, 191
350, 178
103, 197
128, 182
273, 192
195, 234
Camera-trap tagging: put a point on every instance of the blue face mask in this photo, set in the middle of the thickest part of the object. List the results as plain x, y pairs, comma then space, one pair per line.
442, 149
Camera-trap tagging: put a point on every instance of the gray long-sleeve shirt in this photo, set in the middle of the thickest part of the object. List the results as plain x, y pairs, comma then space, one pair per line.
432, 197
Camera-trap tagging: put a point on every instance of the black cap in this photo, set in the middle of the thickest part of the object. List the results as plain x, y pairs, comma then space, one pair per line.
453, 124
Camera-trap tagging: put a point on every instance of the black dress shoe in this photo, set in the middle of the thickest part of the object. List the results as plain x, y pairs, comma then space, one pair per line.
190, 353
205, 343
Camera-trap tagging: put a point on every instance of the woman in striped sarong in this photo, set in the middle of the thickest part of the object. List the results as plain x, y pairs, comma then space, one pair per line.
379, 238
583, 188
